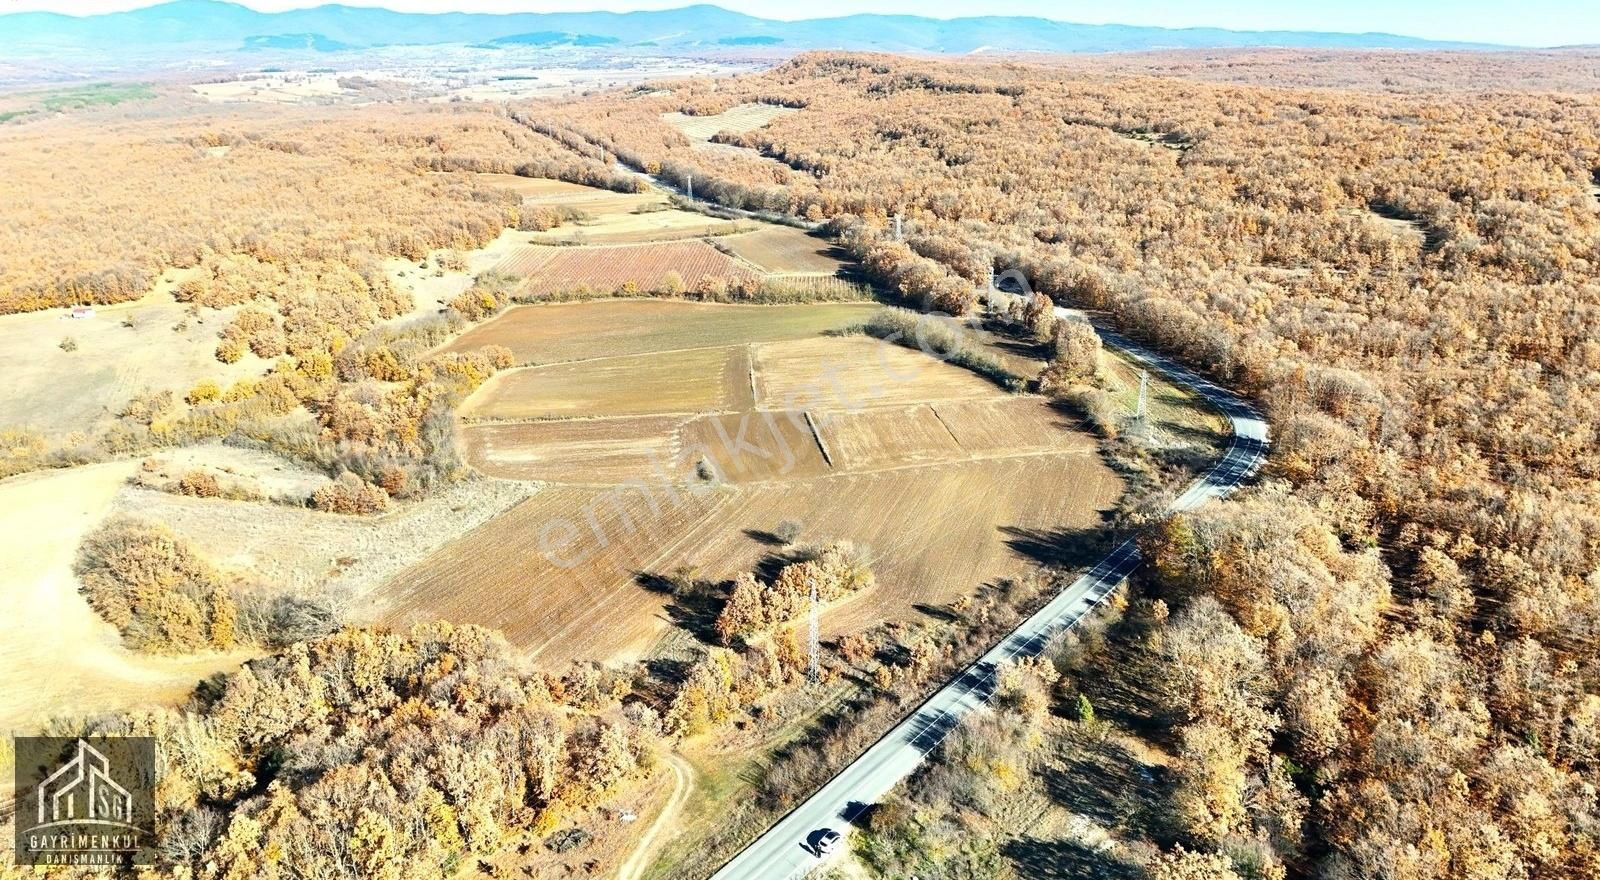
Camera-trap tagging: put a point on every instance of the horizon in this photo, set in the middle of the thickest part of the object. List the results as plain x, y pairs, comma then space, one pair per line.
1544, 24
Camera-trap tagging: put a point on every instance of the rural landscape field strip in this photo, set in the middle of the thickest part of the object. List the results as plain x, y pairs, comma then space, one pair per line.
554, 332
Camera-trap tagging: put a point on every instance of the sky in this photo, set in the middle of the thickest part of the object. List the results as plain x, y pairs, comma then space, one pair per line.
1528, 23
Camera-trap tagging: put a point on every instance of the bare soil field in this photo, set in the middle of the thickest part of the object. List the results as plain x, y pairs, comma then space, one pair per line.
737, 120
886, 436
690, 381
558, 574
757, 446
55, 391
567, 573
786, 250
554, 332
936, 533
645, 265
63, 658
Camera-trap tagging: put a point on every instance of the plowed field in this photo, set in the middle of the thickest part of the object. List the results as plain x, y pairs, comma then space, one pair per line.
950, 481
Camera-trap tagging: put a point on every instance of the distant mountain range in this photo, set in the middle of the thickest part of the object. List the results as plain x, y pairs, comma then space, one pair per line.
211, 23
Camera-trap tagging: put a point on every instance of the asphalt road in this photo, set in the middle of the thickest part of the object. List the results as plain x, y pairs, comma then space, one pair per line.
784, 852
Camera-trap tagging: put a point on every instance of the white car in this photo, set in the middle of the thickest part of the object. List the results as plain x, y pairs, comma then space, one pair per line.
828, 841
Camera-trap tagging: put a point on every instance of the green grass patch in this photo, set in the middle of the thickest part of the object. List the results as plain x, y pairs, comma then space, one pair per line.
80, 98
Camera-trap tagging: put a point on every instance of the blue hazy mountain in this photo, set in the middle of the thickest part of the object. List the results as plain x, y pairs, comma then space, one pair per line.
228, 25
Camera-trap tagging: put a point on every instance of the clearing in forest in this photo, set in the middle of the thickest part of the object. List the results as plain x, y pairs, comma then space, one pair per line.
786, 250
65, 373
735, 120
64, 658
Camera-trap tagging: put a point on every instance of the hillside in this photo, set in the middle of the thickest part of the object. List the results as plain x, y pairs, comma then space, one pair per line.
229, 26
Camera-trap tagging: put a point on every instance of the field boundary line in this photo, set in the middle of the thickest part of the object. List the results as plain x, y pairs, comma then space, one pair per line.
946, 425
817, 436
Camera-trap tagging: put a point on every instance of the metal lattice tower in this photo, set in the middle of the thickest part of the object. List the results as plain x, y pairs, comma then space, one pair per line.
899, 229
688, 185
1141, 416
814, 640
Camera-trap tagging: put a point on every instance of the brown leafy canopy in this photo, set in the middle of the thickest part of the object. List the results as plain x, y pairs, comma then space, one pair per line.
156, 201
153, 587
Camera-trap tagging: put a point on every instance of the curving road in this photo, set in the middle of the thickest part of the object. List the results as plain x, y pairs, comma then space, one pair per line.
783, 851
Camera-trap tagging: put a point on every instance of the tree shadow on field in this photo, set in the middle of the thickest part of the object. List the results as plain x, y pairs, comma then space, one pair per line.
665, 675
937, 612
763, 536
694, 607
1066, 860
1062, 548
1070, 418
1101, 779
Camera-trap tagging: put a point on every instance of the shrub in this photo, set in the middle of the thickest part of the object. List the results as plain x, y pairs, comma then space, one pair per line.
351, 495
203, 392
68, 344
229, 351
199, 484
152, 586
788, 531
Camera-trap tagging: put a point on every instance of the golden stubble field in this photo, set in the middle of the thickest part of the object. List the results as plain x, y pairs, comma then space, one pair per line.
147, 345
62, 658
660, 456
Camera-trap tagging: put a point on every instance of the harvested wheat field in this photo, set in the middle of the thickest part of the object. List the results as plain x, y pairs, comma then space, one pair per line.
604, 451
645, 266
558, 573
566, 574
651, 224
857, 371
555, 332
695, 380
690, 456
788, 251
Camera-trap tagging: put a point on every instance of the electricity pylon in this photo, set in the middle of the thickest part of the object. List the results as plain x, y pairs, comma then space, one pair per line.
1141, 413
814, 641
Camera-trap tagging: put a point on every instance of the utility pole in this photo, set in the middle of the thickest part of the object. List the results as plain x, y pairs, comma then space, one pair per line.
814, 642
1141, 414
